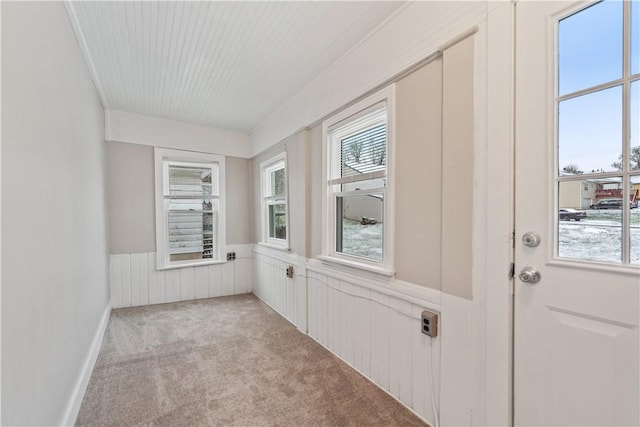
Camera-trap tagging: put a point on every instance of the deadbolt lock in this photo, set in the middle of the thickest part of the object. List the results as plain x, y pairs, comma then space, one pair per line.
531, 239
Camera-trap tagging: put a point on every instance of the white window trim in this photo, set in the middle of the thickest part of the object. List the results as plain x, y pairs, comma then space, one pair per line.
329, 254
194, 158
266, 167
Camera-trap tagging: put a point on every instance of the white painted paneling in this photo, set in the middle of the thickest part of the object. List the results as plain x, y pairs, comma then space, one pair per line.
125, 270
221, 64
456, 394
376, 333
202, 283
228, 278
374, 325
115, 282
215, 280
134, 280
285, 295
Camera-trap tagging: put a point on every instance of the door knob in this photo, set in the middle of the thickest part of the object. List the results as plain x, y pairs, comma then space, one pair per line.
529, 275
531, 239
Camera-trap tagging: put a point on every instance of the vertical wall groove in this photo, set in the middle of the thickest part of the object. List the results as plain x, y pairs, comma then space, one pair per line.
134, 280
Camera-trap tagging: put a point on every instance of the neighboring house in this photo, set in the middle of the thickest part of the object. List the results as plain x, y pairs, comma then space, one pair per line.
582, 194
577, 194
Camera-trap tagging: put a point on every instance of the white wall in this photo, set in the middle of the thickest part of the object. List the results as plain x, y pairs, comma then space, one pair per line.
54, 247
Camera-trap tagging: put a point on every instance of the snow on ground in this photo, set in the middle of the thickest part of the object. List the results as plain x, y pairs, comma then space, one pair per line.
596, 238
599, 236
362, 240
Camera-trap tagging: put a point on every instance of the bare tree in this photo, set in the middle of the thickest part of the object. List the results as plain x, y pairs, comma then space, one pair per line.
634, 160
572, 168
355, 149
378, 154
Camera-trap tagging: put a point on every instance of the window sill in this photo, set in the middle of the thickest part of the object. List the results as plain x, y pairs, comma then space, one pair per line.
190, 264
382, 271
276, 247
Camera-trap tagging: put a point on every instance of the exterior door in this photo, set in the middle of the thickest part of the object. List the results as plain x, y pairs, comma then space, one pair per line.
577, 268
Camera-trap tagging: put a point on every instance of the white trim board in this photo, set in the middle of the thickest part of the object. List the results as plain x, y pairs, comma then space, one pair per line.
80, 387
121, 126
287, 296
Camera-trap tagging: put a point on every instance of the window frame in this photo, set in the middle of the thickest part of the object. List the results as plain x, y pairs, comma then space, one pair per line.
626, 173
340, 119
162, 158
266, 199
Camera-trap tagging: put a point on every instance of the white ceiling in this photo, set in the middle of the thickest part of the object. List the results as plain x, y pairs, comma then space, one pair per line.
221, 64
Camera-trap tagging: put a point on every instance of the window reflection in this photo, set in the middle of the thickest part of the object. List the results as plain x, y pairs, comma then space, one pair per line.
360, 219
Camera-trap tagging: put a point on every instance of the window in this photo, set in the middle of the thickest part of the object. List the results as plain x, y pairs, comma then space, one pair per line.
358, 203
190, 226
597, 100
274, 202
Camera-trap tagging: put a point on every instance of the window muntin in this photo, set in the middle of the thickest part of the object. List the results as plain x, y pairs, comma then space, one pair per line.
189, 216
635, 37
634, 223
358, 144
597, 135
274, 202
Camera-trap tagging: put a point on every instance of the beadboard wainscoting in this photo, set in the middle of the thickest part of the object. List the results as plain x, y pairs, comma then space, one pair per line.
134, 280
377, 331
287, 296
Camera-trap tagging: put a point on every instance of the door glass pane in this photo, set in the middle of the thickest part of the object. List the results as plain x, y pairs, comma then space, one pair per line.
359, 225
590, 219
634, 136
590, 132
278, 221
634, 217
635, 37
590, 46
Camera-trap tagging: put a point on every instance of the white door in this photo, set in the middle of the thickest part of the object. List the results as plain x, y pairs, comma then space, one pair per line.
576, 329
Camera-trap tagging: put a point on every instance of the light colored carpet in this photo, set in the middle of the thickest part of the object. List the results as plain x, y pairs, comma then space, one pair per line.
225, 361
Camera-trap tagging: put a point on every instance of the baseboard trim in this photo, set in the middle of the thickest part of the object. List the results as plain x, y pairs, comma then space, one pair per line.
80, 388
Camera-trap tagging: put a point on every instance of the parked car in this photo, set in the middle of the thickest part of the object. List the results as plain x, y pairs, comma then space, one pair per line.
567, 214
607, 204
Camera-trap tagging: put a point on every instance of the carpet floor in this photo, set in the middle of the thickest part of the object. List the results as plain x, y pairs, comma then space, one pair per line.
225, 361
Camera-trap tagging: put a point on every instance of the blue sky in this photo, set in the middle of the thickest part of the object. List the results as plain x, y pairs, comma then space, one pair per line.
591, 53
